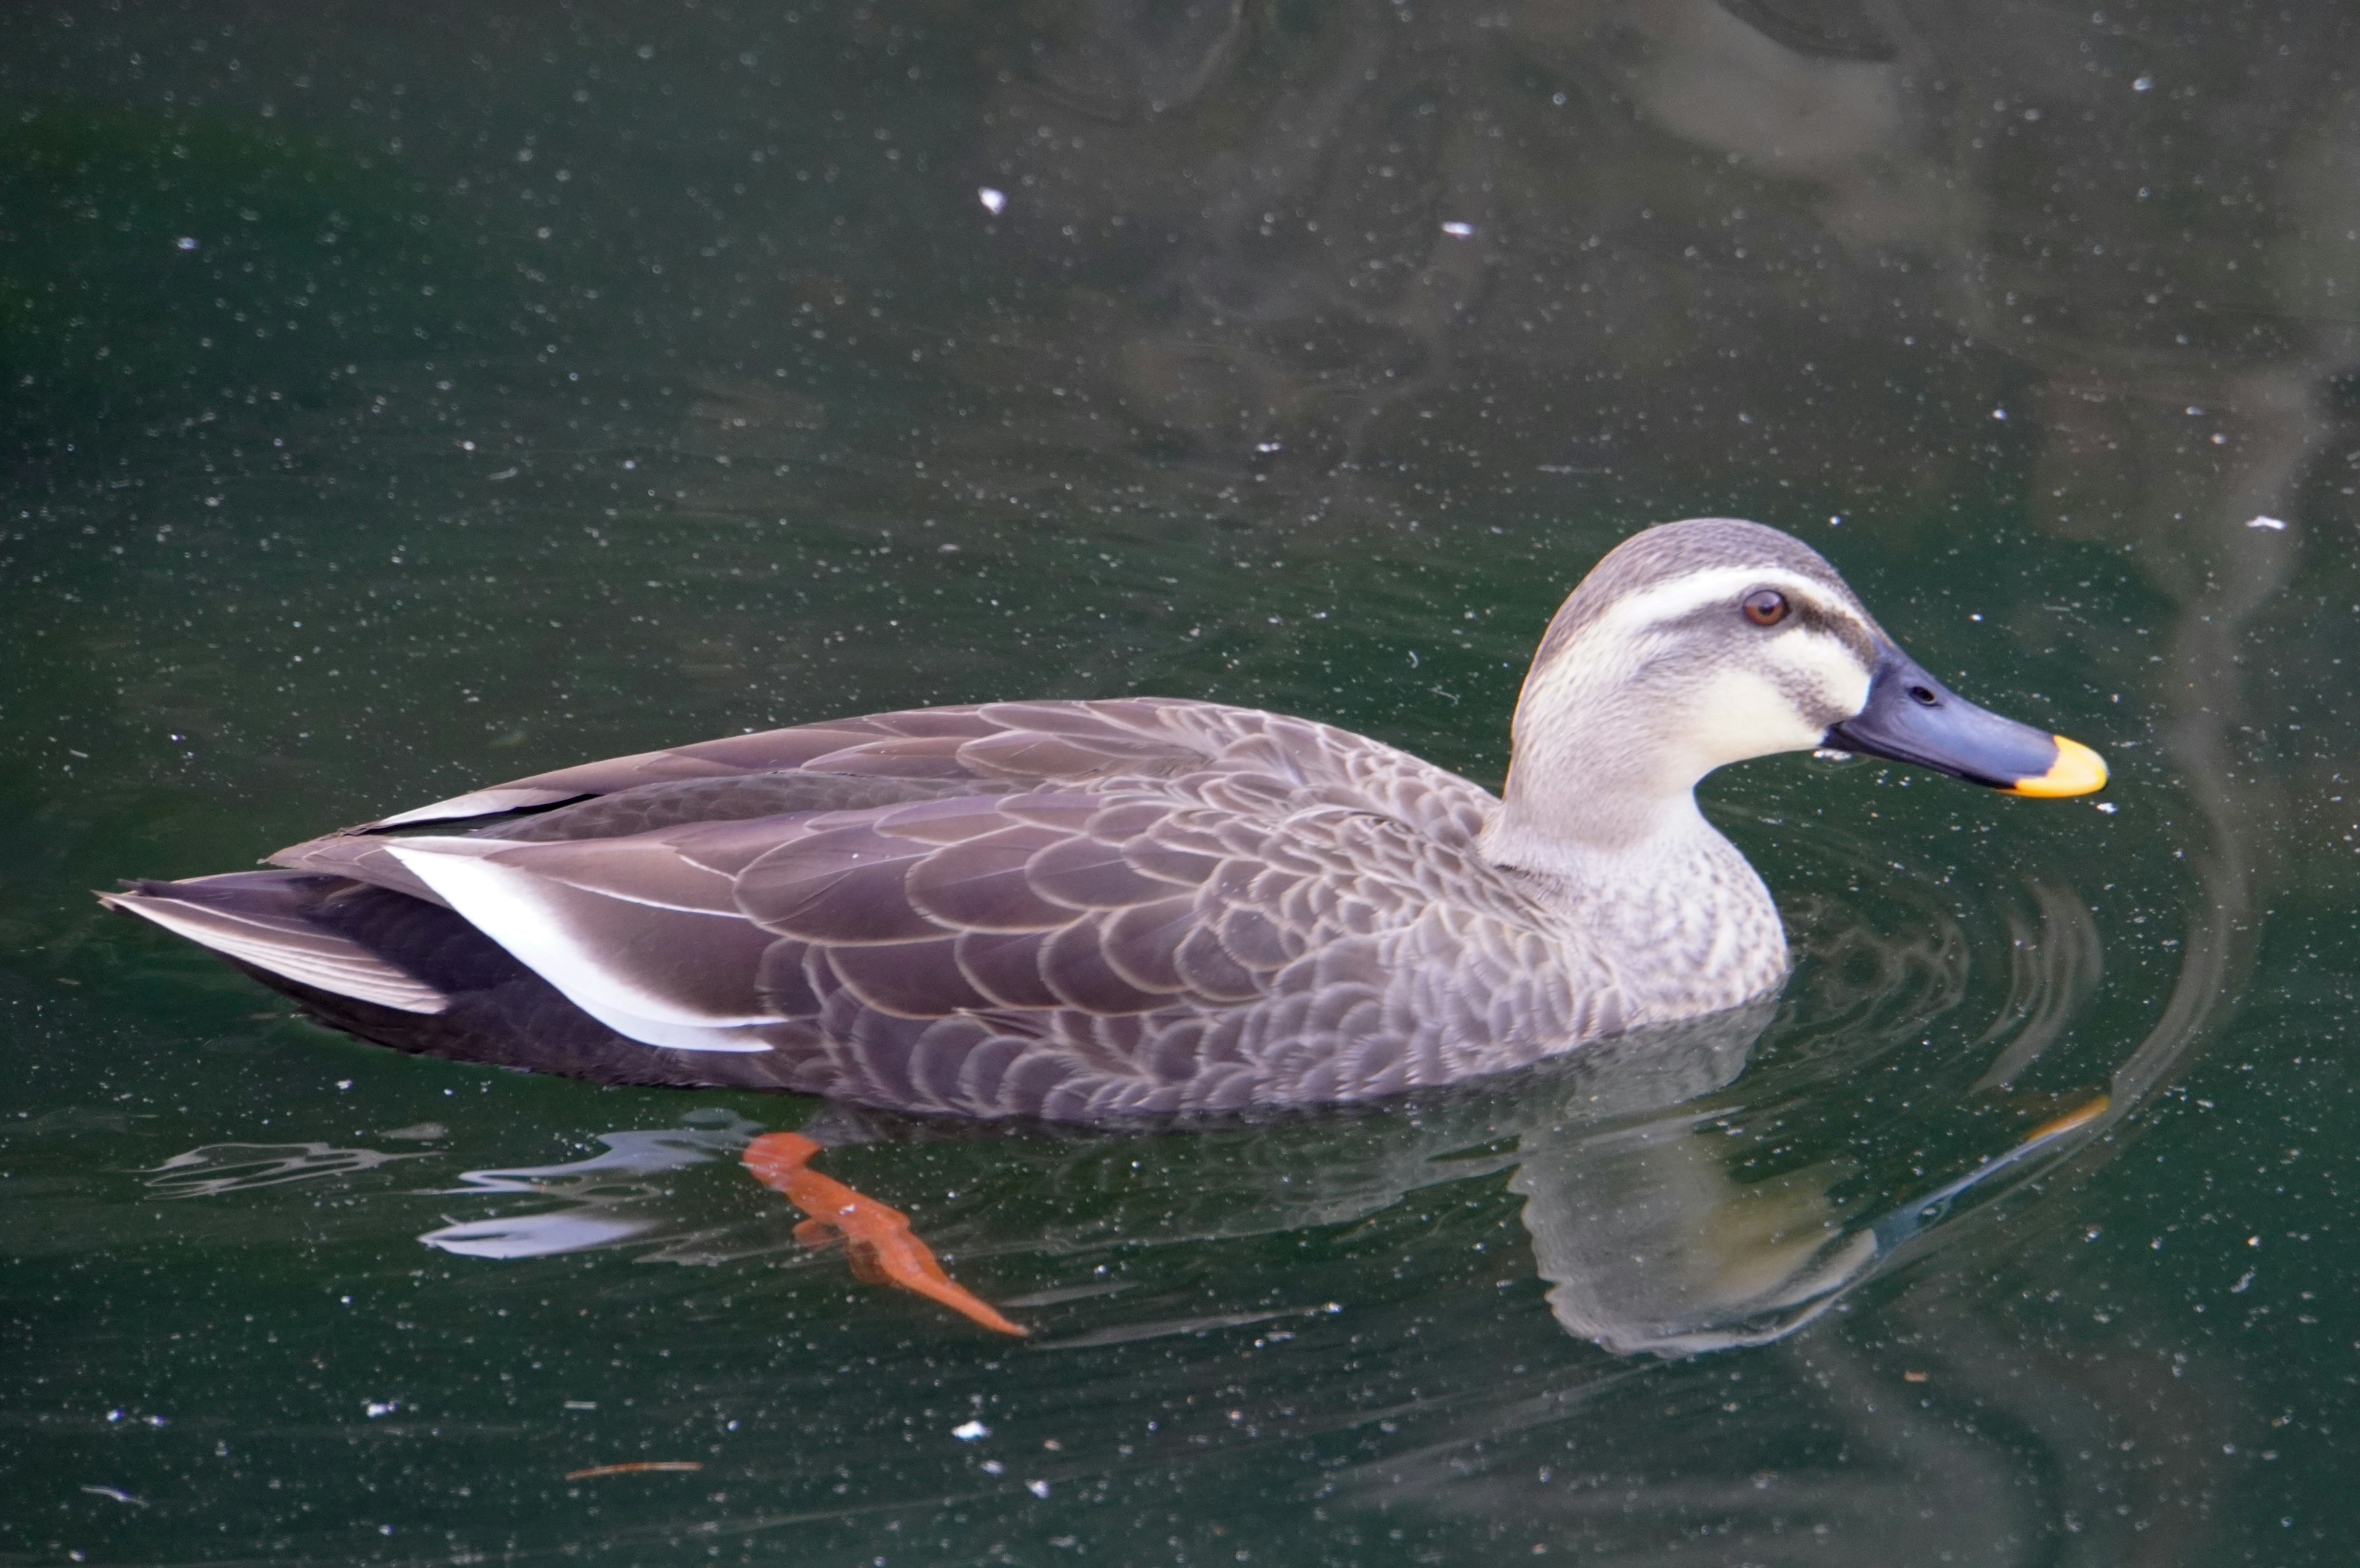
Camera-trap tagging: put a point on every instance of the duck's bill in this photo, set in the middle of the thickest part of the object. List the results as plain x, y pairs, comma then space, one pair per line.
1912, 717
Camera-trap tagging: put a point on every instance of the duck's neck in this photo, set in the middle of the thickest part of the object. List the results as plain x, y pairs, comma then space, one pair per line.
1600, 818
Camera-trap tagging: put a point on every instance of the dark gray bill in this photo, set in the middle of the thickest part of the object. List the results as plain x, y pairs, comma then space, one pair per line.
1912, 717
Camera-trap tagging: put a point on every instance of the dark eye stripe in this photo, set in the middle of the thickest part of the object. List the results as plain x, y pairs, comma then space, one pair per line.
1801, 612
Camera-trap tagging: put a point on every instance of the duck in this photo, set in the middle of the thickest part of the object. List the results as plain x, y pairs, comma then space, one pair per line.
1089, 910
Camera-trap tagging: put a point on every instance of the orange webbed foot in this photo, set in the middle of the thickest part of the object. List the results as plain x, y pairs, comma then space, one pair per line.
877, 1240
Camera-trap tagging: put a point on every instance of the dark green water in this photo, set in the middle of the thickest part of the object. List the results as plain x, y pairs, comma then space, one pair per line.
402, 399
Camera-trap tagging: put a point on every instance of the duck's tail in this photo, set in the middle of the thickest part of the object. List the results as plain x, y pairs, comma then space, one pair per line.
402, 971
276, 922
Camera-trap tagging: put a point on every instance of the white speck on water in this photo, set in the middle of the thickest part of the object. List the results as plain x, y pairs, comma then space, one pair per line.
2107, 807
117, 1493
2274, 524
967, 1431
186, 242
994, 1467
1999, 413
1038, 1489
2142, 83
1268, 446
376, 1408
585, 1405
1458, 230
2244, 1280
995, 202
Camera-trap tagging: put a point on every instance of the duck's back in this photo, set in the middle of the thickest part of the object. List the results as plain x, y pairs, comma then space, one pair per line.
1071, 909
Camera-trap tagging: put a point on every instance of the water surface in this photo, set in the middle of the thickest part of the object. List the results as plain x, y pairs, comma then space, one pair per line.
402, 401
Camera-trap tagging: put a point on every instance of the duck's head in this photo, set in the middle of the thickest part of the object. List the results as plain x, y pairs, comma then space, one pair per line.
1710, 641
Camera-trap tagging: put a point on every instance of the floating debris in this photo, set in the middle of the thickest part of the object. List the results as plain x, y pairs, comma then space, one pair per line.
633, 1467
418, 1132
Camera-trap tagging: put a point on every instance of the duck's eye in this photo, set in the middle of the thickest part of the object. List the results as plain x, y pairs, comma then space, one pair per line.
1765, 607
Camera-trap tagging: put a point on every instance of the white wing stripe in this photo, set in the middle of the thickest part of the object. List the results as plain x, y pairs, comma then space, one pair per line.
518, 910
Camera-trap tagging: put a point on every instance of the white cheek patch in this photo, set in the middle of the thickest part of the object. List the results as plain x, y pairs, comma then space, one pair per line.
1825, 666
1741, 714
1746, 712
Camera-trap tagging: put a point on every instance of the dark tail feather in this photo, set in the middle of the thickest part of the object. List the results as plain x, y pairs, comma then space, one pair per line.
268, 920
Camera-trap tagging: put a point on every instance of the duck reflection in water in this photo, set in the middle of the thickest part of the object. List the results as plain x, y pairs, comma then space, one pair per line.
1095, 911
1651, 1239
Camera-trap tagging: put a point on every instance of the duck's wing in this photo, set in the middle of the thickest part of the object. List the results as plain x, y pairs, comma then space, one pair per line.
918, 755
995, 744
1051, 902
841, 765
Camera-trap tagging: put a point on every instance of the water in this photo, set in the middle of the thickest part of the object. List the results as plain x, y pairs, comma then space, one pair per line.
405, 401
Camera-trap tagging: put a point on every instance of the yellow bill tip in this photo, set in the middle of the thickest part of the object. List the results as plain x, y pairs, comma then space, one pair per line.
2077, 772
